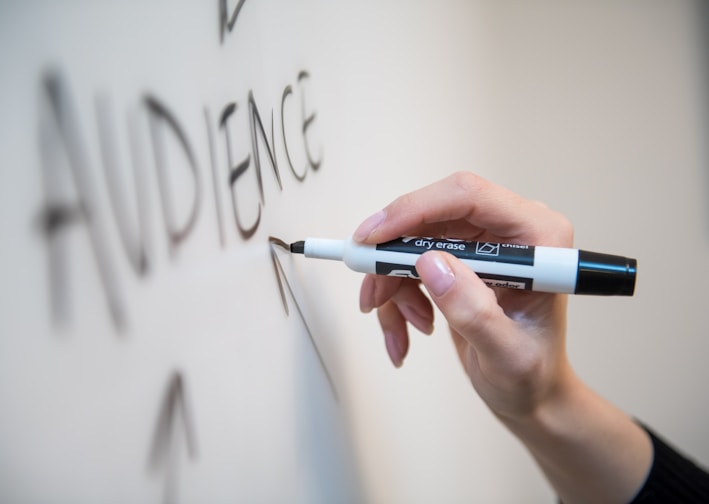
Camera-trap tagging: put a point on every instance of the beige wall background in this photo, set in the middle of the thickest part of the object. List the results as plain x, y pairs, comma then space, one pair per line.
598, 109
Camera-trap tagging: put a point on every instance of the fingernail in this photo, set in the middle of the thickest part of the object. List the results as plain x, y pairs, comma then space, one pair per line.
393, 349
436, 273
368, 226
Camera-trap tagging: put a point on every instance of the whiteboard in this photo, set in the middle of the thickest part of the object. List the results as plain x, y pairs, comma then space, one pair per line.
158, 343
155, 343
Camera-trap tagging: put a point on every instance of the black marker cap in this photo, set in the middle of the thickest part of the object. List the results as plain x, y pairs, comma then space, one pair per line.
605, 274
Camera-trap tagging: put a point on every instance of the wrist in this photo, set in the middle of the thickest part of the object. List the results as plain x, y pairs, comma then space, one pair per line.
589, 450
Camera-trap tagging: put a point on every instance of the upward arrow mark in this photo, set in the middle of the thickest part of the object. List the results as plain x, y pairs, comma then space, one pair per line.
163, 453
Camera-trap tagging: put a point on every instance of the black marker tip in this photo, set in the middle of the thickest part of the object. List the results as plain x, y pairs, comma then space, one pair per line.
297, 247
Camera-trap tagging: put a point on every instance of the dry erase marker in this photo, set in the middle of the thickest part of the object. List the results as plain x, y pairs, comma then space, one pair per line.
544, 269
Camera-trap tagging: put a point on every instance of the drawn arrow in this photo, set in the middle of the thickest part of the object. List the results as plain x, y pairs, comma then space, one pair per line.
283, 286
164, 453
227, 23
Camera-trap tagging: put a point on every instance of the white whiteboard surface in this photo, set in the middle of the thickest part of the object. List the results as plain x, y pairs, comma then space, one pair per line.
158, 345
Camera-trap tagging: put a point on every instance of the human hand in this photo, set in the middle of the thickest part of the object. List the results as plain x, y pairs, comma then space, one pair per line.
511, 343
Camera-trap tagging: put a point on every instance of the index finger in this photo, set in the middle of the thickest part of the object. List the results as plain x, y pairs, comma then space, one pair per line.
467, 199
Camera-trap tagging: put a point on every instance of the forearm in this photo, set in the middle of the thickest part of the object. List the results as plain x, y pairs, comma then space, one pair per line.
589, 450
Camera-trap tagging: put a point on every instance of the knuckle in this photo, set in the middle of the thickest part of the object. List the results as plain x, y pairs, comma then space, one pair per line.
564, 230
384, 288
468, 182
402, 205
557, 228
388, 316
566, 227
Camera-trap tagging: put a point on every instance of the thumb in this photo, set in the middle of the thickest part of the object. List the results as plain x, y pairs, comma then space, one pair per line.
469, 306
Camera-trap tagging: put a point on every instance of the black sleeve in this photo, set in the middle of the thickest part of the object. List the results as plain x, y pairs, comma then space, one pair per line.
672, 477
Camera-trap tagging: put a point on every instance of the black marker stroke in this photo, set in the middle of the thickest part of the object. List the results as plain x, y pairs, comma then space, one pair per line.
308, 121
283, 284
235, 172
288, 91
133, 237
163, 452
226, 23
59, 134
160, 114
215, 177
256, 127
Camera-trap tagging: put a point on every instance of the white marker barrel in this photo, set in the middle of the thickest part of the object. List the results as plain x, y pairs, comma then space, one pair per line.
544, 269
